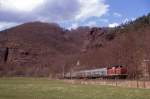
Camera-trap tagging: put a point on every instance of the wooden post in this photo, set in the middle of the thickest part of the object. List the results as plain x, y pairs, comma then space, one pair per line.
116, 81
137, 82
144, 83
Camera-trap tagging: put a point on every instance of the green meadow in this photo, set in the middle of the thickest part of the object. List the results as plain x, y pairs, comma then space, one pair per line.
43, 88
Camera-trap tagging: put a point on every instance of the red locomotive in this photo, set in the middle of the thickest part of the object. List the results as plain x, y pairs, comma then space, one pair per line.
118, 71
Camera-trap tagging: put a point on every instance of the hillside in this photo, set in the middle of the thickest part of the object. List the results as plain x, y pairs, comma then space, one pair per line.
35, 48
127, 44
44, 49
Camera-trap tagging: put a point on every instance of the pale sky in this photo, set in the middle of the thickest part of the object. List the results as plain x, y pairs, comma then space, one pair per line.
71, 13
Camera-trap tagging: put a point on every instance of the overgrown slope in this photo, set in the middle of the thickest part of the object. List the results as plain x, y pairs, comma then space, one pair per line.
43, 49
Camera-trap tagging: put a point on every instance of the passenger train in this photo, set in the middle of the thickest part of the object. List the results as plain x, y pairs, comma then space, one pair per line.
112, 72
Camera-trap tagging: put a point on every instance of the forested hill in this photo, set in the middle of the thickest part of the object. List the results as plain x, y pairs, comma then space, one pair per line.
46, 49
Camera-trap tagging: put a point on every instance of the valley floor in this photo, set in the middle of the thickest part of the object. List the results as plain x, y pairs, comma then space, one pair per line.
44, 88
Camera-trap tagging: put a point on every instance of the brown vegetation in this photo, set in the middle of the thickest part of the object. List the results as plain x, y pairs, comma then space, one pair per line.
42, 49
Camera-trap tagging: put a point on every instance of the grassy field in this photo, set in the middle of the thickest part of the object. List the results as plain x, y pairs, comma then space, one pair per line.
42, 88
